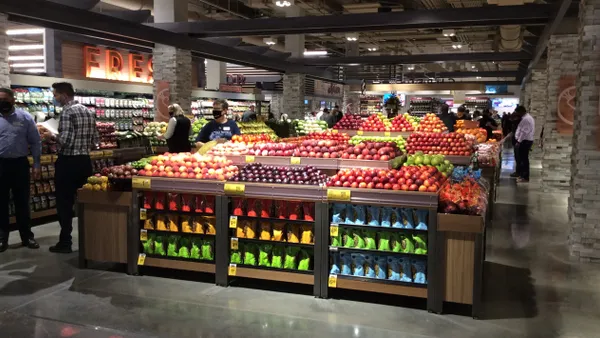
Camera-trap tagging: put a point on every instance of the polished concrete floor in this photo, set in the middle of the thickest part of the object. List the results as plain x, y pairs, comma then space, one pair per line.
532, 289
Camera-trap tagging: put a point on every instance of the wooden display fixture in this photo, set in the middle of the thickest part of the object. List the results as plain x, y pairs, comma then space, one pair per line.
387, 288
180, 264
275, 275
36, 214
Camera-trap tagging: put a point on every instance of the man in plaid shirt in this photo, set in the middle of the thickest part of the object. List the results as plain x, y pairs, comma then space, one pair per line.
77, 135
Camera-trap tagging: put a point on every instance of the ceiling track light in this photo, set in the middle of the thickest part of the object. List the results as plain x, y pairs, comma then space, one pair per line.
315, 52
284, 3
372, 49
270, 41
448, 32
457, 46
352, 36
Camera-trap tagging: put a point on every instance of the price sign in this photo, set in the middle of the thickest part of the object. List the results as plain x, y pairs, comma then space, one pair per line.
235, 244
250, 159
334, 230
235, 188
141, 259
233, 222
338, 194
141, 183
95, 154
143, 214
154, 150
332, 281
108, 153
359, 132
295, 160
30, 159
143, 235
232, 270
46, 158
334, 131
387, 133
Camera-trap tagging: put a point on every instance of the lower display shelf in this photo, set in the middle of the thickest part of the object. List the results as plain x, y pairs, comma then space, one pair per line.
279, 275
36, 214
378, 228
273, 219
179, 263
180, 233
260, 241
380, 286
367, 251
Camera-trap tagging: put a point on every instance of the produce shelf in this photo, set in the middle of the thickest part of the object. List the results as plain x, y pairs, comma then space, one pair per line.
379, 228
404, 134
381, 286
347, 163
406, 199
260, 241
264, 219
366, 251
319, 163
279, 275
166, 233
185, 213
279, 191
179, 263
458, 160
193, 186
36, 214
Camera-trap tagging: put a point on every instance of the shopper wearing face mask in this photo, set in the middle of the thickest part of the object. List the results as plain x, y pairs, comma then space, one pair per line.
18, 135
77, 135
219, 128
178, 131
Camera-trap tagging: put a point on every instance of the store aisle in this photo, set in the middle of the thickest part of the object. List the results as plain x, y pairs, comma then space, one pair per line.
532, 290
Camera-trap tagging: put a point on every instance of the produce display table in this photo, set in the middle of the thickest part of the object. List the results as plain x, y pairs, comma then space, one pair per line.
461, 254
404, 134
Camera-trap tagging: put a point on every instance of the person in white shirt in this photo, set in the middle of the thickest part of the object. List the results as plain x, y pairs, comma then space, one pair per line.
524, 141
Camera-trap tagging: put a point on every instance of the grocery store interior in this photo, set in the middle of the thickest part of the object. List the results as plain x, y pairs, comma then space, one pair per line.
357, 168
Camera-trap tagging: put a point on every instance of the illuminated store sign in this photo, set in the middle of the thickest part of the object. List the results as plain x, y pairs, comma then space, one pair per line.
112, 64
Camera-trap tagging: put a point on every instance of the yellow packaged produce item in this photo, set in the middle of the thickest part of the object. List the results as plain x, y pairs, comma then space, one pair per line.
149, 224
239, 230
307, 234
278, 232
293, 233
210, 223
265, 231
250, 229
186, 225
197, 227
161, 223
173, 223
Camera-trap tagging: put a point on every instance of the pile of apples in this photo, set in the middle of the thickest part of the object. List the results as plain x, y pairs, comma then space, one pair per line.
400, 123
229, 148
411, 178
251, 138
272, 149
431, 123
437, 143
376, 122
187, 165
119, 171
399, 140
349, 122
377, 151
320, 149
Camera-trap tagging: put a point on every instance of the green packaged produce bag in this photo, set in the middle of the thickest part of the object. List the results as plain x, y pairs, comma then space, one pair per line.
395, 242
336, 241
277, 257
249, 254
172, 248
369, 239
407, 244
236, 257
359, 241
290, 258
263, 255
384, 241
184, 251
195, 252
420, 244
149, 245
304, 263
207, 250
347, 238
159, 248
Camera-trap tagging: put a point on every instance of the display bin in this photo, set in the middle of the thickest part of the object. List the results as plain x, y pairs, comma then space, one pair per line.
351, 133
460, 253
319, 163
104, 219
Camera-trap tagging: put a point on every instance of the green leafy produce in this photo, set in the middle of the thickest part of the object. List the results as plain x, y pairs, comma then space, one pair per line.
249, 254
195, 252
172, 248
159, 248
207, 250
277, 257
236, 257
263, 255
290, 258
149, 245
304, 263
184, 251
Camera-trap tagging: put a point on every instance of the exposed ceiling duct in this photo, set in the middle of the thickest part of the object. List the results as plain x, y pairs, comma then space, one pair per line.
511, 36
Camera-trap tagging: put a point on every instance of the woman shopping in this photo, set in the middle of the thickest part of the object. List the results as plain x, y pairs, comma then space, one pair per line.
178, 131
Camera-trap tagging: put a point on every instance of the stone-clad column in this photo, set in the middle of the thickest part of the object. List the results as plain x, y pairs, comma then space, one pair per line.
538, 105
556, 158
174, 66
4, 68
351, 101
584, 199
293, 95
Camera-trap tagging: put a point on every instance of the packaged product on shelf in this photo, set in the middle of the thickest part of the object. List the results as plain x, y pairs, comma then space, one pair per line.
207, 250
195, 251
380, 266
408, 220
159, 248
419, 268
52, 201
172, 247
335, 264
369, 266
359, 241
265, 231
337, 211
293, 210
347, 238
293, 233
239, 229
161, 223
250, 254
361, 214
251, 207
278, 228
291, 259
209, 206
148, 245
369, 237
386, 216
306, 236
159, 201
277, 256
184, 251
420, 244
186, 225
209, 223
186, 203
304, 260
148, 223
384, 241
173, 200
263, 255
280, 208
250, 229
358, 261
422, 216
173, 223
373, 213
397, 218
199, 204
465, 193
407, 244
308, 209
346, 260
238, 206
265, 208
197, 226
236, 257
336, 241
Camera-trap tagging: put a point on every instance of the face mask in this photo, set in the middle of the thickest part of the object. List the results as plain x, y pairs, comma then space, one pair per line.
217, 114
5, 107
56, 102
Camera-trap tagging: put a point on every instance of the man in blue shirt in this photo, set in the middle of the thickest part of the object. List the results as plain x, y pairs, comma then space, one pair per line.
18, 135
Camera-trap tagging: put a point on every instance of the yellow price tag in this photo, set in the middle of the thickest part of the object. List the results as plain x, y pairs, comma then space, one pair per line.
387, 133
359, 132
235, 244
233, 222
334, 230
46, 158
235, 188
141, 259
143, 235
30, 159
232, 271
295, 160
108, 153
332, 281
143, 214
141, 183
334, 131
154, 150
339, 194
250, 159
